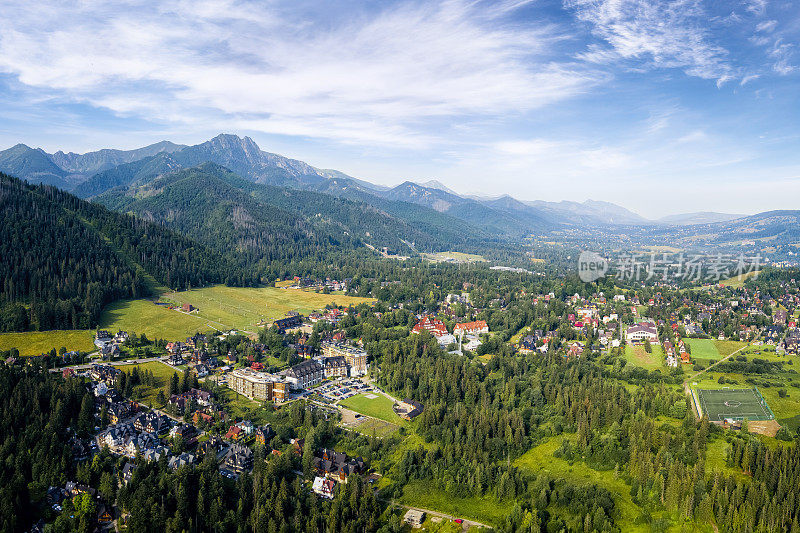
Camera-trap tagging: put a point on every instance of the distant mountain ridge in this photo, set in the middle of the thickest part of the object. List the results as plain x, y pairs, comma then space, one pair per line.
94, 173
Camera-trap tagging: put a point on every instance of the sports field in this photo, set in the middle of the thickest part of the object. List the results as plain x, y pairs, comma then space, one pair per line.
379, 406
736, 404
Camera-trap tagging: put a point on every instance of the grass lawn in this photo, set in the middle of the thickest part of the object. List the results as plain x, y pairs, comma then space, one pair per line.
247, 308
637, 355
243, 407
487, 510
379, 428
38, 342
379, 407
726, 348
163, 373
703, 349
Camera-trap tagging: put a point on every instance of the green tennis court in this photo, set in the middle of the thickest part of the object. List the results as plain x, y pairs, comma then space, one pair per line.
736, 404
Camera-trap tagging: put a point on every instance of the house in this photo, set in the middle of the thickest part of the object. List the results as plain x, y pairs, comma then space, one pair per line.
201, 416
289, 322
238, 458
235, 433
178, 461
641, 332
434, 326
527, 344
337, 465
187, 432
334, 367
127, 472
103, 515
304, 374
264, 434
323, 487
409, 409
477, 327
414, 518
102, 338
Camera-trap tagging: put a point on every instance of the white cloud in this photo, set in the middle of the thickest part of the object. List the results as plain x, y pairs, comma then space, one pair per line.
767, 26
658, 34
375, 77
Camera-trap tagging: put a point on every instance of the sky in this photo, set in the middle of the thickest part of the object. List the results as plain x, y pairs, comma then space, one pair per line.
661, 106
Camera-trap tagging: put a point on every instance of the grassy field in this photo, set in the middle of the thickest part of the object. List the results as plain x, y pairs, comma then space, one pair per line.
155, 321
376, 427
716, 454
380, 407
457, 257
637, 355
703, 348
738, 281
725, 348
37, 342
487, 510
163, 373
246, 309
541, 459
786, 410
218, 308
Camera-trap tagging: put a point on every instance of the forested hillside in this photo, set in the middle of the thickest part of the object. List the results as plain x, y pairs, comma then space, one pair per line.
63, 259
208, 203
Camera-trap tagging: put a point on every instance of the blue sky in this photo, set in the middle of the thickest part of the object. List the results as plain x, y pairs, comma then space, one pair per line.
663, 107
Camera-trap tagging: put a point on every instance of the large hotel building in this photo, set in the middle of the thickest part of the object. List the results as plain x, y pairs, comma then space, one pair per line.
259, 386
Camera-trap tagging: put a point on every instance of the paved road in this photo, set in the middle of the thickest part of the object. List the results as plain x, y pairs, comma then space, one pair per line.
87, 366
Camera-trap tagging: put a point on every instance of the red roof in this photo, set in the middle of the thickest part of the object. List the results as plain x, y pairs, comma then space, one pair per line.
476, 325
433, 325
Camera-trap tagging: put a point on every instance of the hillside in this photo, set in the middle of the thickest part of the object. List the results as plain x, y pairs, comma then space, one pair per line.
33, 165
62, 259
214, 205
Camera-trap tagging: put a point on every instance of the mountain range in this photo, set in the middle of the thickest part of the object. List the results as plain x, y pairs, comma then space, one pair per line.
94, 173
227, 190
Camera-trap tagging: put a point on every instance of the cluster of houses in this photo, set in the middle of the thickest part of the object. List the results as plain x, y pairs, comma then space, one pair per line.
334, 467
319, 284
469, 331
108, 344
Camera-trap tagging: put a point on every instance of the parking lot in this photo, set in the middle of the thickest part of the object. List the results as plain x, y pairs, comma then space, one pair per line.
342, 388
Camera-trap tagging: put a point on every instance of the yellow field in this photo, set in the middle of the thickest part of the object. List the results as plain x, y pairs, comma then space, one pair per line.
37, 342
217, 307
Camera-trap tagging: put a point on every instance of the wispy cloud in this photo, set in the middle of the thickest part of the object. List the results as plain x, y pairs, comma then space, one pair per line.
378, 77
657, 34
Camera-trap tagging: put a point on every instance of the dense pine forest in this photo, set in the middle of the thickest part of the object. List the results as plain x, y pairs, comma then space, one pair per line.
63, 259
